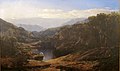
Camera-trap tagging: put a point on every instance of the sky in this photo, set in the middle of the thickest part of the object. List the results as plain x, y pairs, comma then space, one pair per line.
19, 9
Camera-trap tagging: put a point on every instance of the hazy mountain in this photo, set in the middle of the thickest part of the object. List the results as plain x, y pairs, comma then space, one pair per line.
36, 24
31, 27
43, 35
43, 22
75, 21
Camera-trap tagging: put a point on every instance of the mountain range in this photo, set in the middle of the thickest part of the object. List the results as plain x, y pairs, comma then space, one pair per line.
31, 27
43, 22
40, 24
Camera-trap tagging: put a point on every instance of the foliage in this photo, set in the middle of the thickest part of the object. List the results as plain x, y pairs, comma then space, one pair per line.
10, 49
8, 46
100, 31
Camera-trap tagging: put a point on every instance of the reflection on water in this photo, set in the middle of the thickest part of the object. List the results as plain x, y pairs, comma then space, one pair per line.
48, 54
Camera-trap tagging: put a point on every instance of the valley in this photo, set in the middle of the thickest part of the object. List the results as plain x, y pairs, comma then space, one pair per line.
92, 45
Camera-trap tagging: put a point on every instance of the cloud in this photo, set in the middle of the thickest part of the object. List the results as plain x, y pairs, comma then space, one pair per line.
22, 10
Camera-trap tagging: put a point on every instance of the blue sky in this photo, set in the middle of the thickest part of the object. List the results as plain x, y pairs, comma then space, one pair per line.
58, 9
70, 4
55, 8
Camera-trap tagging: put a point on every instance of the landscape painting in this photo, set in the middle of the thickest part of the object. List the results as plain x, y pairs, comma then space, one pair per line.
59, 35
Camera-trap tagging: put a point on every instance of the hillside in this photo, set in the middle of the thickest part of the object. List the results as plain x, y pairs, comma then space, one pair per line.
93, 44
8, 29
89, 35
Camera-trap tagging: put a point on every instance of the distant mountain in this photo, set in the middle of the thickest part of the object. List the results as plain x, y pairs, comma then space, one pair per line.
31, 27
43, 35
43, 22
76, 21
50, 31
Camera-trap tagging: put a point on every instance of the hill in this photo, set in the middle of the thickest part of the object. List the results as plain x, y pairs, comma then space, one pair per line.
10, 30
94, 43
